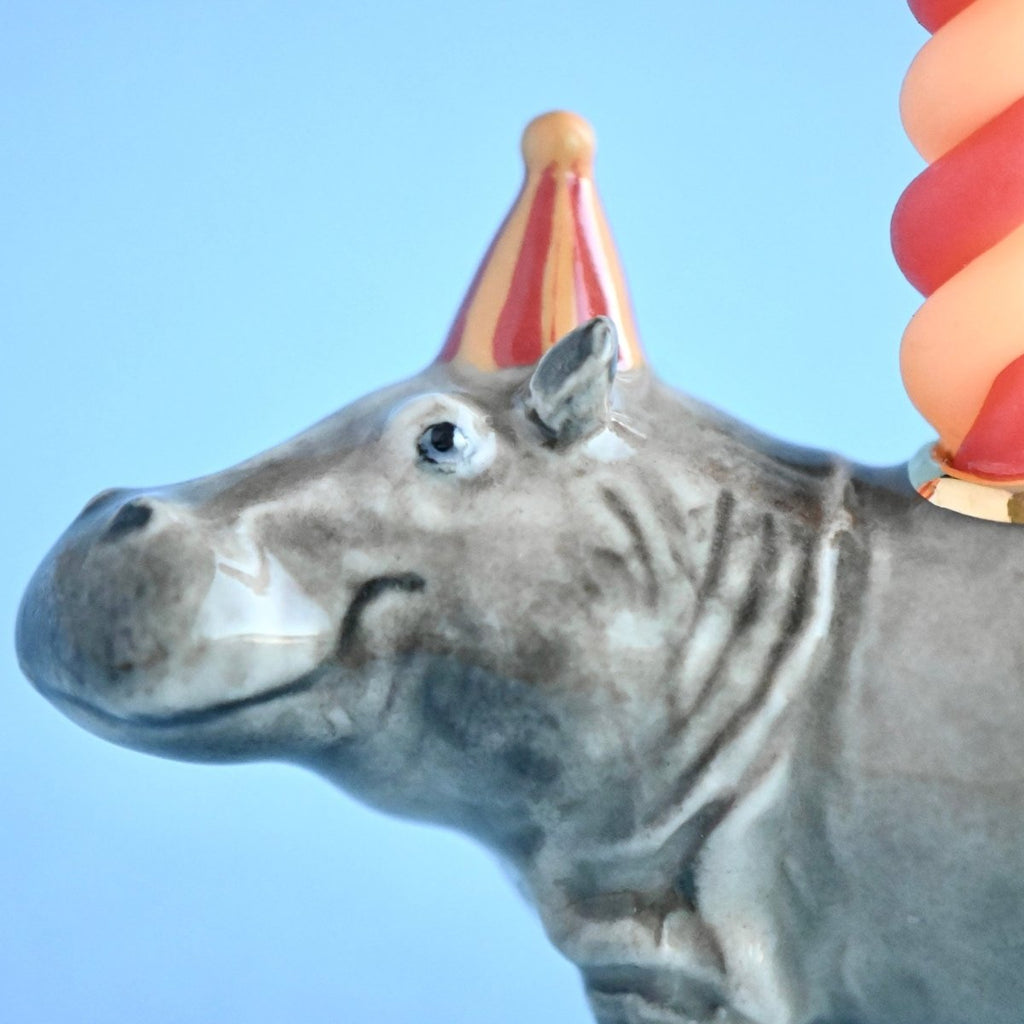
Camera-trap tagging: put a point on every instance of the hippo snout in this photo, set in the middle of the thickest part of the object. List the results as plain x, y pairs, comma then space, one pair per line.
36, 630
45, 634
146, 611
119, 592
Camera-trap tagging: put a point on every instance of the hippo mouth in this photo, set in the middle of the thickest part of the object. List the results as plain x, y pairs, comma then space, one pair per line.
364, 596
188, 716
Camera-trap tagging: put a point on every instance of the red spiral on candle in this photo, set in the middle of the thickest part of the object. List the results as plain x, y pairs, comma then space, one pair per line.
958, 234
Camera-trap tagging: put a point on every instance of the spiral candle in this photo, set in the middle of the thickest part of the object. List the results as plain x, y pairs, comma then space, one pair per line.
958, 234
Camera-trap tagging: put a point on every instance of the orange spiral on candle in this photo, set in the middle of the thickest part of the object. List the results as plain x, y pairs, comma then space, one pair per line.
958, 234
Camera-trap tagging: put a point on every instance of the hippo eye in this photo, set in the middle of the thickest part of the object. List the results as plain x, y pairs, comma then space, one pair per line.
453, 437
443, 445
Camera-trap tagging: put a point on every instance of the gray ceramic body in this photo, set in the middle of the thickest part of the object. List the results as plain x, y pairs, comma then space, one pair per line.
744, 719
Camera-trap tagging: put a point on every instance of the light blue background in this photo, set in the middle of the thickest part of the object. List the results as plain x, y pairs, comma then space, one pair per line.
220, 221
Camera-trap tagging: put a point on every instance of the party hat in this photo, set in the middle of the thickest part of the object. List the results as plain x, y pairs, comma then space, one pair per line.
552, 264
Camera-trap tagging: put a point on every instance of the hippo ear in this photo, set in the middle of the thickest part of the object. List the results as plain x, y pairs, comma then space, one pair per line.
570, 388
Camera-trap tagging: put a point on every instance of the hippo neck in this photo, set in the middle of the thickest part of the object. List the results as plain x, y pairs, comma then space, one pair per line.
771, 527
765, 604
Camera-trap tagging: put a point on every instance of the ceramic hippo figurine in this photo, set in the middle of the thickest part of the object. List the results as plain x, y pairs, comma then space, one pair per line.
727, 708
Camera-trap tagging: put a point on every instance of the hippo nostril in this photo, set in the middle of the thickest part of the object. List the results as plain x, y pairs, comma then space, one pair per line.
131, 516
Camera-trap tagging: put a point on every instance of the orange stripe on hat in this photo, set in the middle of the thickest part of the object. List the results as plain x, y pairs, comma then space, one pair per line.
552, 264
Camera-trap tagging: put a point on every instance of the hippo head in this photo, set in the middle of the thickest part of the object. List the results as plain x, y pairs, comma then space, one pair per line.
406, 596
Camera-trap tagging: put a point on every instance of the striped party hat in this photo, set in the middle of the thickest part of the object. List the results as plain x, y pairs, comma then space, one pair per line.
552, 265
